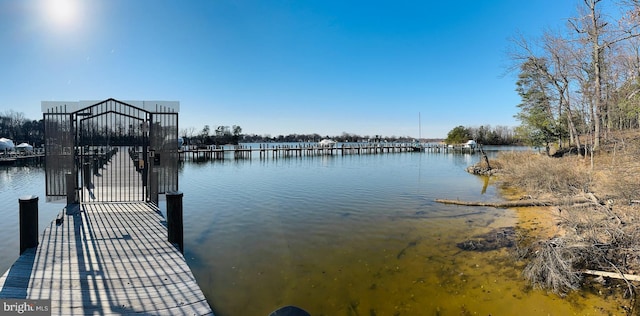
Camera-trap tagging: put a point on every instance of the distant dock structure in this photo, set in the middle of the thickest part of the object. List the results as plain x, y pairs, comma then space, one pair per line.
21, 159
274, 151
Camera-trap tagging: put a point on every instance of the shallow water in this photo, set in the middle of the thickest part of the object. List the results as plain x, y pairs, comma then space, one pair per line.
352, 235
14, 183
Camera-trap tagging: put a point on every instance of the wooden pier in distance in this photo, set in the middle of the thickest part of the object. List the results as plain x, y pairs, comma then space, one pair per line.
22, 158
265, 151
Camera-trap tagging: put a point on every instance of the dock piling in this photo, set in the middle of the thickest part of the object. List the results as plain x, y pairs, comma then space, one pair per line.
72, 192
153, 187
86, 172
174, 219
28, 222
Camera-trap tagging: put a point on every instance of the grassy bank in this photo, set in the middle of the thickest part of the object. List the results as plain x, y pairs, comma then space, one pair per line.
571, 240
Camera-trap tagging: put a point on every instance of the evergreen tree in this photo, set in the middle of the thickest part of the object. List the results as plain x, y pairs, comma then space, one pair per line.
539, 126
458, 135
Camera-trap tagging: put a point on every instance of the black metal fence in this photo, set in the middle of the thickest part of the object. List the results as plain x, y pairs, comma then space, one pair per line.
110, 151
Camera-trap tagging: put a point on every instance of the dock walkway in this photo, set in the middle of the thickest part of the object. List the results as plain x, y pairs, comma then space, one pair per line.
107, 259
292, 150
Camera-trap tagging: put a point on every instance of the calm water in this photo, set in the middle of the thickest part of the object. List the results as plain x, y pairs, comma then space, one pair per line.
352, 235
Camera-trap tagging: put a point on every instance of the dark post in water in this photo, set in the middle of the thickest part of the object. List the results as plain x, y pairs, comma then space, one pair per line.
28, 222
70, 179
153, 188
174, 218
86, 172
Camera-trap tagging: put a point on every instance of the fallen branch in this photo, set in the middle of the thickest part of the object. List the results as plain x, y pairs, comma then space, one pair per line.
615, 275
519, 203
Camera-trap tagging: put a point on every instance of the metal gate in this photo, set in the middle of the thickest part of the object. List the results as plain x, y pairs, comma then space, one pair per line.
111, 151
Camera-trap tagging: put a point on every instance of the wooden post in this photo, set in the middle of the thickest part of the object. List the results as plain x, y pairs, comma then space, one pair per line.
70, 178
86, 172
174, 219
28, 222
153, 187
96, 167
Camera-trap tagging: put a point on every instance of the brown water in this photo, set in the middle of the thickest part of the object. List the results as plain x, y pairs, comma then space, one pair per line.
414, 270
377, 246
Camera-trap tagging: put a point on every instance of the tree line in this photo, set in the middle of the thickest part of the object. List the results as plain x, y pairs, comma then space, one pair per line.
581, 82
223, 135
15, 126
484, 134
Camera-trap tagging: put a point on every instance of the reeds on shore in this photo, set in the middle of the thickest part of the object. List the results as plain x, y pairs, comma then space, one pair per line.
602, 235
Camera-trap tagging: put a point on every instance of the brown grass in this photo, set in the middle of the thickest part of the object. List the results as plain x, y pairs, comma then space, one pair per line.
604, 235
539, 175
616, 171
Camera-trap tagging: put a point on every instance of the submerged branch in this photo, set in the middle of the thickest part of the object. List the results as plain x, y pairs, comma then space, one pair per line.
519, 203
614, 275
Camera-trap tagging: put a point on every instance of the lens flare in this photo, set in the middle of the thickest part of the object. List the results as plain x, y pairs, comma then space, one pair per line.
62, 13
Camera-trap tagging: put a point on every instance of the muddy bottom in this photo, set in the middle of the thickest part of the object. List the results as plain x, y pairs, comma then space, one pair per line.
398, 265
504, 237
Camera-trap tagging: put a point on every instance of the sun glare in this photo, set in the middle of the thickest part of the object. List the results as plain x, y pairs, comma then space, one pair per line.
62, 13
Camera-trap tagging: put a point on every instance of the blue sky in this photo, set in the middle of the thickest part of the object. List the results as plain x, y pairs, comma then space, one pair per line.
277, 67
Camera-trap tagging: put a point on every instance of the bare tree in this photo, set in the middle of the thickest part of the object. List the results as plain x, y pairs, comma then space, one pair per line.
599, 34
562, 64
13, 121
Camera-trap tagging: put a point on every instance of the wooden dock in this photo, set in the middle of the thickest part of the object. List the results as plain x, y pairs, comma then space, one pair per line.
20, 159
107, 259
265, 151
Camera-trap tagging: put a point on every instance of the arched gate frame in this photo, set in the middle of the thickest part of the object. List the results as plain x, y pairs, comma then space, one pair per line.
111, 151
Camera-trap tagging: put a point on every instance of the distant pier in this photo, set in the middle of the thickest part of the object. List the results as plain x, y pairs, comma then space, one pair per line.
212, 152
21, 158
265, 151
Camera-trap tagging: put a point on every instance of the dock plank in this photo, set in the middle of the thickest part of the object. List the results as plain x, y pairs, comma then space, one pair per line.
107, 259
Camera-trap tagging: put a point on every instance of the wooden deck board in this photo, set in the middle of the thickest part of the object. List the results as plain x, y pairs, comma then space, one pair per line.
107, 259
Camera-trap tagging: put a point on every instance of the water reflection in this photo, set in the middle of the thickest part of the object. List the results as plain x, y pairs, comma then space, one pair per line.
352, 235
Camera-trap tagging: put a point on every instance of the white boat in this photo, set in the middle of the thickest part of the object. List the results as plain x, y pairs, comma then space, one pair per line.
470, 144
6, 144
327, 143
24, 147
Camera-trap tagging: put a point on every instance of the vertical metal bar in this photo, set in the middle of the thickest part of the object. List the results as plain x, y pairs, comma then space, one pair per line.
125, 155
96, 151
97, 119
134, 143
71, 134
123, 147
145, 155
123, 171
100, 118
103, 144
80, 137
